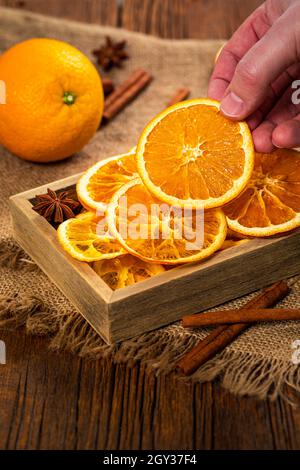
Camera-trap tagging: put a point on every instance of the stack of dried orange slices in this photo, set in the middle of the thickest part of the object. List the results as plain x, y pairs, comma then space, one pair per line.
196, 161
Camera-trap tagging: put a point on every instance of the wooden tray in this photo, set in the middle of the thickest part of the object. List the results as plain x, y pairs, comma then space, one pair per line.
163, 299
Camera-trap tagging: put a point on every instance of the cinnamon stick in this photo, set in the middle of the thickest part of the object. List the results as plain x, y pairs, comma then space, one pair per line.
224, 335
180, 95
125, 93
108, 86
133, 78
223, 317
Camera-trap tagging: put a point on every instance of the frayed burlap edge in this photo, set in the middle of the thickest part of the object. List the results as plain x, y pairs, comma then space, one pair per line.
13, 257
241, 374
252, 375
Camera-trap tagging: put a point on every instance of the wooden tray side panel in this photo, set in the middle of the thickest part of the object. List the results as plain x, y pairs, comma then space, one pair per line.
205, 288
38, 239
163, 299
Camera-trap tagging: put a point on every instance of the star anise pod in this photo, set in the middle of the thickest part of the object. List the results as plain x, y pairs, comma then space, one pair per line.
56, 207
111, 54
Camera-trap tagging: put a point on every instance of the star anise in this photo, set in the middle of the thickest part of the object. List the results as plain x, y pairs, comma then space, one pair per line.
56, 207
111, 54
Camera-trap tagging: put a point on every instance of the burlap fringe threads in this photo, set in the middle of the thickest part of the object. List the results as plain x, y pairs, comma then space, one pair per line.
13, 257
241, 374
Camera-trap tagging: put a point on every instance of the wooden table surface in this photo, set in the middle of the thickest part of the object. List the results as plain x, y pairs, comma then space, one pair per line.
51, 401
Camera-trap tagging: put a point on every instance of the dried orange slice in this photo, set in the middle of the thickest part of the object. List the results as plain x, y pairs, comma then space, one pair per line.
270, 204
232, 235
229, 243
85, 238
191, 155
158, 233
102, 180
126, 271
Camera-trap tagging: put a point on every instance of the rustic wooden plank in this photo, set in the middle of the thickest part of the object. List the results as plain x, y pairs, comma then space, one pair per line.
91, 11
216, 18
187, 18
107, 406
161, 18
165, 18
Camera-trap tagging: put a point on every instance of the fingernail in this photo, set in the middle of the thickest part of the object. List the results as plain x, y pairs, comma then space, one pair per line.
232, 105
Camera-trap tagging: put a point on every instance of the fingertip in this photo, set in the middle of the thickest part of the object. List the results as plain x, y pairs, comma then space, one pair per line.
255, 119
287, 134
217, 88
233, 107
262, 138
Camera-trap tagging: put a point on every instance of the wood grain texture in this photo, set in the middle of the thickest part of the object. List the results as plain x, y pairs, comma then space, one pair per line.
199, 19
108, 406
177, 19
103, 405
91, 11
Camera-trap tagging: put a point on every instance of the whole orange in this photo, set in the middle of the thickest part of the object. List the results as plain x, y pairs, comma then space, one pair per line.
54, 100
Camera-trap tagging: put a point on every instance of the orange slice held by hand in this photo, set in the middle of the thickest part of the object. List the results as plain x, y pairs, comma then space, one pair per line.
270, 204
126, 271
85, 238
156, 232
96, 187
191, 155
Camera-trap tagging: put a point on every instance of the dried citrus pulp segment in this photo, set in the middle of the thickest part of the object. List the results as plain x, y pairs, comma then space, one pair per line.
125, 271
191, 155
96, 187
85, 238
163, 237
233, 243
270, 204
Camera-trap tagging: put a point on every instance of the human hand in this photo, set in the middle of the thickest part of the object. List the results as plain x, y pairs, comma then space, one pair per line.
255, 71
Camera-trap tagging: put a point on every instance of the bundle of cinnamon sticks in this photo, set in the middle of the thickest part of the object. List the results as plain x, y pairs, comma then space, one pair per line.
125, 93
118, 98
232, 323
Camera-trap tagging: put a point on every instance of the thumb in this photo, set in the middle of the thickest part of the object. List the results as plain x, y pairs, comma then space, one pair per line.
262, 65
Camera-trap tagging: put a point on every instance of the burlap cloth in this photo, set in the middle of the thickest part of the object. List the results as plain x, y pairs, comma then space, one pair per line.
259, 362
